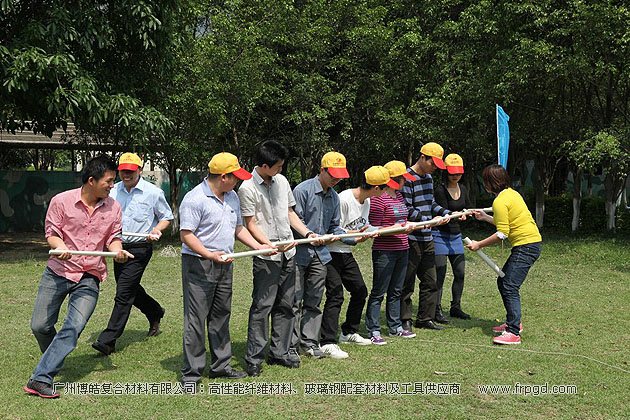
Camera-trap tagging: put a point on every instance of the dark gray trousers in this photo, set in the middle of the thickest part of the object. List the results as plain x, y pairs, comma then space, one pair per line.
207, 288
273, 294
309, 290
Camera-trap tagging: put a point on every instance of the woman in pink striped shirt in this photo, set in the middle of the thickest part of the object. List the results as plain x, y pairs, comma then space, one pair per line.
389, 258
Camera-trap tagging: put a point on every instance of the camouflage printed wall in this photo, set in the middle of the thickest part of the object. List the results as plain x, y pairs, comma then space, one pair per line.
24, 195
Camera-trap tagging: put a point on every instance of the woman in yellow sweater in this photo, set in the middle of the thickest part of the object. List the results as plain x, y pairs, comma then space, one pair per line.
514, 222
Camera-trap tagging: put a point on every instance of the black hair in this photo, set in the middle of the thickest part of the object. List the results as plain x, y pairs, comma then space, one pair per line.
97, 167
365, 186
213, 176
270, 153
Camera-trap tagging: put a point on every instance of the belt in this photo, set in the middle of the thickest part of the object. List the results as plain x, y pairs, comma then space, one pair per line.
137, 245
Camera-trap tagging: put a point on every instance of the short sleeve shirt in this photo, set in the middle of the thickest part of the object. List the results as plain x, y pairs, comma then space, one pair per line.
69, 219
143, 207
269, 204
211, 220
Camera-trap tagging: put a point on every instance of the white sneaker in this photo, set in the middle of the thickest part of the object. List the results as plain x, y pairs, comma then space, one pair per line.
333, 350
354, 338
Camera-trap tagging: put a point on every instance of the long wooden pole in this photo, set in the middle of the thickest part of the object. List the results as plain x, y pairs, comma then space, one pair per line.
416, 225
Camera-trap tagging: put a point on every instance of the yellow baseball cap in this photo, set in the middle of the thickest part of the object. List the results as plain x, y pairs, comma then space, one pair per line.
129, 162
436, 152
379, 175
398, 168
336, 164
227, 163
454, 164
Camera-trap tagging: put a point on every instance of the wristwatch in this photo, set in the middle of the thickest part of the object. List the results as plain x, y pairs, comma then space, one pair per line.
310, 232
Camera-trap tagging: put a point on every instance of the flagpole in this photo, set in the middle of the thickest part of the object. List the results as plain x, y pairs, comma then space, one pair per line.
496, 112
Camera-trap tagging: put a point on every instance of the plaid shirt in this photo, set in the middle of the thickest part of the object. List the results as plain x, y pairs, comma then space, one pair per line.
421, 205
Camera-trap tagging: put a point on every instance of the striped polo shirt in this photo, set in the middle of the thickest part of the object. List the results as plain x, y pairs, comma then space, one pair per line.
419, 199
386, 211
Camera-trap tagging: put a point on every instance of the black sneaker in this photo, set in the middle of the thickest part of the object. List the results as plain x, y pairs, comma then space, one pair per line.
229, 373
41, 389
441, 319
106, 349
254, 369
294, 356
283, 362
458, 313
428, 325
312, 351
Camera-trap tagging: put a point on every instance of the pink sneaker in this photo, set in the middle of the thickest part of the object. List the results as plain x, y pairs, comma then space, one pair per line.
507, 338
503, 327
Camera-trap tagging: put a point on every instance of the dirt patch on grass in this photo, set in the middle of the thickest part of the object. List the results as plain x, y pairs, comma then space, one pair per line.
19, 246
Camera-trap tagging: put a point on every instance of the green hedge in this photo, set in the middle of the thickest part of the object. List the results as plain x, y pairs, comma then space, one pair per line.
559, 213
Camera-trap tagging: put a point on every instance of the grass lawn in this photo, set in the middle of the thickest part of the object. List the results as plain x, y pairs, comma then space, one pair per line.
575, 309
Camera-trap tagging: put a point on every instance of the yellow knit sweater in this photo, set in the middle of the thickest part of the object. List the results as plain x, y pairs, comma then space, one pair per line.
513, 218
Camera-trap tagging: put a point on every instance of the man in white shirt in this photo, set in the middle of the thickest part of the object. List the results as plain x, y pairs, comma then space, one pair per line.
343, 270
267, 209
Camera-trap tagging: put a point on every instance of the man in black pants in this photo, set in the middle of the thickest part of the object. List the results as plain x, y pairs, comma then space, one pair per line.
418, 195
145, 211
343, 270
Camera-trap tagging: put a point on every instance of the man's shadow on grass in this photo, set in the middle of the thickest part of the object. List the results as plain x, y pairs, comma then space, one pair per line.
484, 325
128, 337
239, 349
76, 368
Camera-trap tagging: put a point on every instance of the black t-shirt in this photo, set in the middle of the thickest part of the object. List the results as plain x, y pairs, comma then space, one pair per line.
444, 199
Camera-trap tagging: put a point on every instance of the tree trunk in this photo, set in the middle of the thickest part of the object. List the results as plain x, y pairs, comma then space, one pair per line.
613, 185
410, 155
624, 200
578, 174
473, 188
539, 169
176, 181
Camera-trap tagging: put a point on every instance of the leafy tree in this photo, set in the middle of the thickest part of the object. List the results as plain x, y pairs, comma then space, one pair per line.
92, 62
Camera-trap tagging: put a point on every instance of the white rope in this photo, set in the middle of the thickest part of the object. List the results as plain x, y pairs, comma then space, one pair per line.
504, 348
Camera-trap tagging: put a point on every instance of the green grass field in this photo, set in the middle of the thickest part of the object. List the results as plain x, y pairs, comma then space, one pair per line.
575, 309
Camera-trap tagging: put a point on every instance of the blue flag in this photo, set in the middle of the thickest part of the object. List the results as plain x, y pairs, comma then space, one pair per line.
503, 136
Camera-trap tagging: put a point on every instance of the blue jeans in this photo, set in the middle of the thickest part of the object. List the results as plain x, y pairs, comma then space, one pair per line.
52, 291
389, 269
516, 267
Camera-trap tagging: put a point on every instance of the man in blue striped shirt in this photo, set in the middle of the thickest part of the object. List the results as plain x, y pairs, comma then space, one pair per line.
418, 195
144, 210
